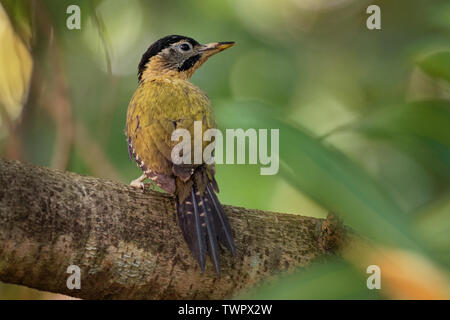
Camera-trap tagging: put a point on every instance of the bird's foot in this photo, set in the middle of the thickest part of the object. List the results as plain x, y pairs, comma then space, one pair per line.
138, 183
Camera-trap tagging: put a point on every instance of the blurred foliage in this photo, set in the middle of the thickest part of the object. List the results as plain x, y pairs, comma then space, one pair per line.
363, 115
335, 280
437, 65
15, 73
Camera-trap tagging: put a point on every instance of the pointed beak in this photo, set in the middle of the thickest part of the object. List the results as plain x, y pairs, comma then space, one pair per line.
215, 47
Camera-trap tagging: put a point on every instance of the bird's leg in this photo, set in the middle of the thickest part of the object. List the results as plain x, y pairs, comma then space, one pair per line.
138, 183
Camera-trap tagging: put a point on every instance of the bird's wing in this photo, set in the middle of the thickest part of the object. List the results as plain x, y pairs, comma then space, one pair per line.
155, 111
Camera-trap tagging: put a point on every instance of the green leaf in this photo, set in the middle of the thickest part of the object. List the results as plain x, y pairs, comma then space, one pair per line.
433, 223
419, 128
327, 176
437, 65
332, 280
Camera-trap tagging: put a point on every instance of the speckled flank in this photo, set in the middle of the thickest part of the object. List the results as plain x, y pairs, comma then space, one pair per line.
167, 183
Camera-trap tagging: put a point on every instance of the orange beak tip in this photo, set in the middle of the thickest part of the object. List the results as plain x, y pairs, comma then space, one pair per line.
225, 45
216, 47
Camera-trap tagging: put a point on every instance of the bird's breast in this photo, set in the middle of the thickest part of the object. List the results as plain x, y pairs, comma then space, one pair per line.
171, 98
157, 109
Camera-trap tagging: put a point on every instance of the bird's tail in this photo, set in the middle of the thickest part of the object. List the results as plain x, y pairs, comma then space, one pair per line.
204, 225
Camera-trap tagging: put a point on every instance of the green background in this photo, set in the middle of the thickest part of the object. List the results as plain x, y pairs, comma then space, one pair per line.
364, 115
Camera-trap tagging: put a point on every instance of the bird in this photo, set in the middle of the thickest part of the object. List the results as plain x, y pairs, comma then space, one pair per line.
166, 100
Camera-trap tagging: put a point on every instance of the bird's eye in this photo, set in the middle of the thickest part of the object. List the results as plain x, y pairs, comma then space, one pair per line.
185, 47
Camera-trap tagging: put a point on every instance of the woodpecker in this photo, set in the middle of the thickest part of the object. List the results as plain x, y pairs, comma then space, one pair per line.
165, 100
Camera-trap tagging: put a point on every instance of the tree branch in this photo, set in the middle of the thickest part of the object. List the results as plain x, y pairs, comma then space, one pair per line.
127, 242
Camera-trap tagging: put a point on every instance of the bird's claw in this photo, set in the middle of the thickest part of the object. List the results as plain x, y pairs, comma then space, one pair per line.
138, 183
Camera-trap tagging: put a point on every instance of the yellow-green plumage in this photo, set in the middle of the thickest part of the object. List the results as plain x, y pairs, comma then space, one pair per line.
157, 108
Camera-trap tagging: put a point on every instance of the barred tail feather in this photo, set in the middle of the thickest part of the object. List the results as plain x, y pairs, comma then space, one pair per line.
222, 224
204, 225
190, 223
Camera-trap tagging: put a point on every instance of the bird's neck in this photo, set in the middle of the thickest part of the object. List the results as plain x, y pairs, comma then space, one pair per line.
158, 68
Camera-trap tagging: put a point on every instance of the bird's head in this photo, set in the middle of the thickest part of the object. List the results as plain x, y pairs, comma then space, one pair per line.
176, 56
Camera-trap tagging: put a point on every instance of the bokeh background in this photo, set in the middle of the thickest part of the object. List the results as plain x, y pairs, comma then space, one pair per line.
364, 117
